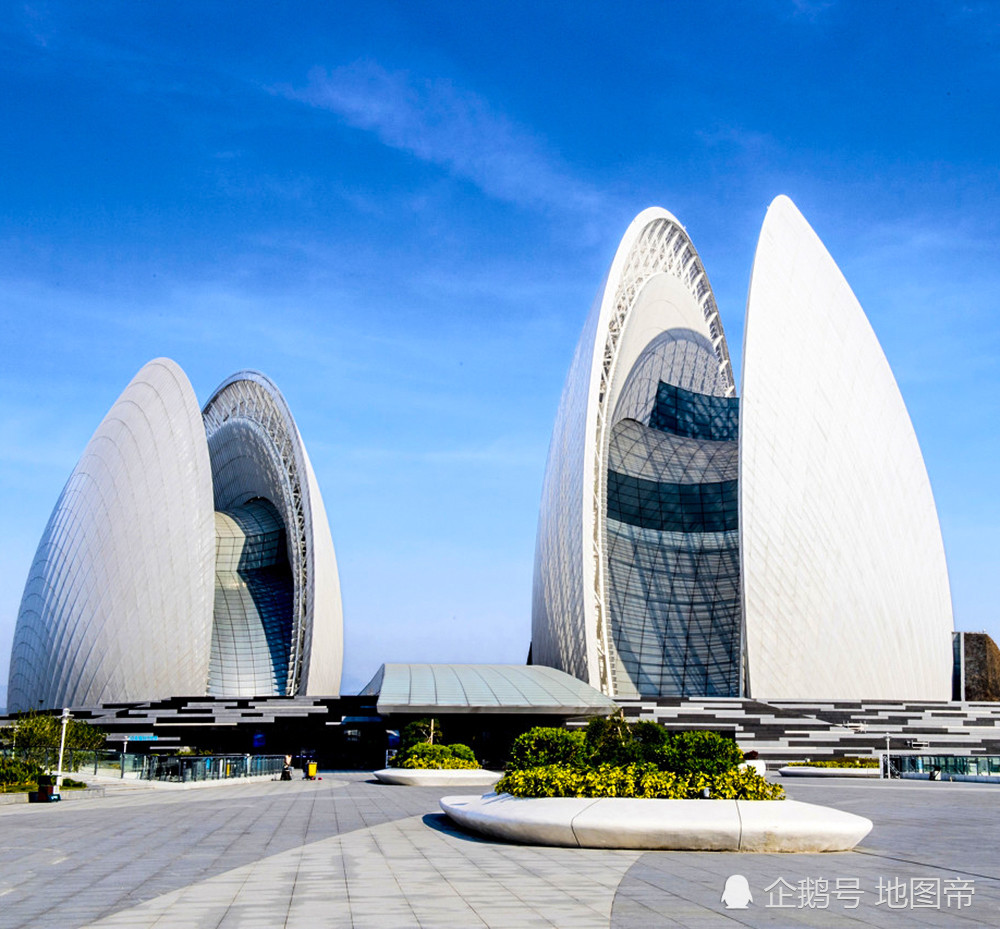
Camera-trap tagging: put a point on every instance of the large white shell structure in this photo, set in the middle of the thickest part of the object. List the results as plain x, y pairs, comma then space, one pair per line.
845, 581
118, 603
786, 549
140, 590
654, 313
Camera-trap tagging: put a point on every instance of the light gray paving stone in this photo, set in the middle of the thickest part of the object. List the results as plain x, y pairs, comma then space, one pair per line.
921, 830
343, 852
394, 876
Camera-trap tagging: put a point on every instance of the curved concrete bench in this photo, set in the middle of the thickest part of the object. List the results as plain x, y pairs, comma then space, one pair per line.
801, 770
703, 825
438, 777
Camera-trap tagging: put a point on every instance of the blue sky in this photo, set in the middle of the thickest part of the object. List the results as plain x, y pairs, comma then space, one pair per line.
401, 213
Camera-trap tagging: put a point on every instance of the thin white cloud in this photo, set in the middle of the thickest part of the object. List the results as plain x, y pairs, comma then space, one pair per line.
811, 9
448, 126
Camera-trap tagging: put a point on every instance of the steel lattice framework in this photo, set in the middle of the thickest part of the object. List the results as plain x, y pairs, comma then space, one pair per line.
251, 400
662, 247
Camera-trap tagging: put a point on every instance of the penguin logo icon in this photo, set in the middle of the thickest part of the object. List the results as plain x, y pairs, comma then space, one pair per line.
736, 894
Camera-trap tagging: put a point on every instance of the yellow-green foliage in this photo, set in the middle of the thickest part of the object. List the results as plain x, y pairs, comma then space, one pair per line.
415, 761
837, 763
743, 784
635, 780
17, 774
424, 755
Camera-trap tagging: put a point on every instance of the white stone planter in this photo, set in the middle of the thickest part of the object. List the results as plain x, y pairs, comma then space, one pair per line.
702, 825
808, 771
438, 777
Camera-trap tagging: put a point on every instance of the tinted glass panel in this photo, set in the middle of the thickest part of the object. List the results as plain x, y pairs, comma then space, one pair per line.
697, 416
669, 507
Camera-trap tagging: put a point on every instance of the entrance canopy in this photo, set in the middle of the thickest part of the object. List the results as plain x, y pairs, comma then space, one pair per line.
484, 688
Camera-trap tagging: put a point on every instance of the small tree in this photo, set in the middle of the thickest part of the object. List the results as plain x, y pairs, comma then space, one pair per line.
420, 730
35, 737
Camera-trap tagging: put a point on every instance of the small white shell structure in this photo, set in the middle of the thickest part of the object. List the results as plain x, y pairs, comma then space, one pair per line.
143, 587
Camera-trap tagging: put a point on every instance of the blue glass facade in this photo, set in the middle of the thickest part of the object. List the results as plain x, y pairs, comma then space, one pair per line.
254, 602
672, 547
668, 507
697, 416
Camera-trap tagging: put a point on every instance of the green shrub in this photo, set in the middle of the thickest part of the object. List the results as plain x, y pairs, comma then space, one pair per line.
424, 755
745, 784
437, 763
458, 750
610, 740
546, 745
14, 772
635, 780
838, 763
699, 752
652, 739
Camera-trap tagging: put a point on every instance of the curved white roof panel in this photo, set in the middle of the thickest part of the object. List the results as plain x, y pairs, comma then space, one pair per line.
846, 589
118, 603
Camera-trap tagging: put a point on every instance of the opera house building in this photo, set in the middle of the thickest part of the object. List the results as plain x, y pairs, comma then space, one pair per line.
189, 553
780, 542
763, 560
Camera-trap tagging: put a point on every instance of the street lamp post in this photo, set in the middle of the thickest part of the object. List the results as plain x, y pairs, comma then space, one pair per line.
66, 717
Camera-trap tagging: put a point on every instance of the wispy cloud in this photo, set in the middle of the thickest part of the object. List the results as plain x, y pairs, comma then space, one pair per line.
737, 138
811, 9
445, 125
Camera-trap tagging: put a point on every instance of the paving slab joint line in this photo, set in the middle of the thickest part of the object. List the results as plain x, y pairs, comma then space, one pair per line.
572, 826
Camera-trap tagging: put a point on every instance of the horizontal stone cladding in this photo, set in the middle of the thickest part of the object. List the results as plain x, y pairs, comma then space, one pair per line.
782, 731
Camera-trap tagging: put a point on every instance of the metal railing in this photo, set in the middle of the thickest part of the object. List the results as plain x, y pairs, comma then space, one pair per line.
187, 768
74, 761
943, 767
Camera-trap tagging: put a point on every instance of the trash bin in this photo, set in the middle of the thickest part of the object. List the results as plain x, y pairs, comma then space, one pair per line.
311, 770
47, 791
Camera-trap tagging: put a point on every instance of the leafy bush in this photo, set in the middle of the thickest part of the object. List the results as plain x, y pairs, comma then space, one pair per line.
613, 758
425, 755
611, 740
745, 784
652, 738
699, 752
546, 745
16, 772
635, 780
838, 763
458, 750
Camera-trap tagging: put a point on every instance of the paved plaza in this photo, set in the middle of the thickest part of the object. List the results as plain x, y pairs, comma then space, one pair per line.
347, 852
